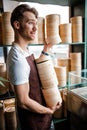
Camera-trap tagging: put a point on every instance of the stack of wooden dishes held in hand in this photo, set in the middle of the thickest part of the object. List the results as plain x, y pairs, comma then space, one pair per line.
49, 81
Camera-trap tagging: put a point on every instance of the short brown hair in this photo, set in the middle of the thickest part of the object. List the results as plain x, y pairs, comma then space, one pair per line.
17, 13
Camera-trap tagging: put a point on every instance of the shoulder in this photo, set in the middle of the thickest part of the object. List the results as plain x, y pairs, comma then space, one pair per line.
14, 53
16, 59
15, 56
17, 67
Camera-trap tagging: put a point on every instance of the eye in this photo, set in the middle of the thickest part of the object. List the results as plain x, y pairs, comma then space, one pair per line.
30, 22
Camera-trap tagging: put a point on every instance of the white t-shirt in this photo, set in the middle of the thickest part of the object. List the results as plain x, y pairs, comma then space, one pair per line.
18, 69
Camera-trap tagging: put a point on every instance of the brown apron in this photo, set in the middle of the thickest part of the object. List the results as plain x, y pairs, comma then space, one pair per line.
30, 120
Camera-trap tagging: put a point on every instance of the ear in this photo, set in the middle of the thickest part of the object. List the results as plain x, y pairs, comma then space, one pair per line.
16, 24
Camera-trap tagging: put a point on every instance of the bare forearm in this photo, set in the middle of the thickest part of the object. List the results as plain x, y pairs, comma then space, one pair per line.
36, 107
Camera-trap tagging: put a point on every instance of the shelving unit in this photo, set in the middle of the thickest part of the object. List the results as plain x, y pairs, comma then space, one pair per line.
77, 101
85, 58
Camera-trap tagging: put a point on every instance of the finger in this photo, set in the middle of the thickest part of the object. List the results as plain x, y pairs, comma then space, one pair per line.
59, 103
46, 42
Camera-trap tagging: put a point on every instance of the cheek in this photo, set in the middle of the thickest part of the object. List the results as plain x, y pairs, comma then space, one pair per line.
28, 28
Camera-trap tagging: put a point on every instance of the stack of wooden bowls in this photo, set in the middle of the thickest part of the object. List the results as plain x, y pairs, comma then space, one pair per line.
49, 81
65, 62
65, 32
7, 30
10, 114
77, 33
76, 65
2, 117
9, 102
76, 61
3, 74
61, 75
41, 30
52, 28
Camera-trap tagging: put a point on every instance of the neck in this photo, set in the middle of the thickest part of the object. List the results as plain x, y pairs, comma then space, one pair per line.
22, 43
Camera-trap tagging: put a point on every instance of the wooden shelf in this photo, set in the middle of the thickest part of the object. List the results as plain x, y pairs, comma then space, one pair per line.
74, 43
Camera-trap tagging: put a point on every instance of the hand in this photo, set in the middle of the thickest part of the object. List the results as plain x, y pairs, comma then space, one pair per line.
47, 46
54, 108
59, 104
51, 110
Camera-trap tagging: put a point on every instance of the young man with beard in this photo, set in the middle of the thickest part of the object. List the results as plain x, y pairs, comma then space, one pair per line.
31, 108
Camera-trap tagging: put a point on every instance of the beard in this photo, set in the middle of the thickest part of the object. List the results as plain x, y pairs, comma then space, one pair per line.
24, 32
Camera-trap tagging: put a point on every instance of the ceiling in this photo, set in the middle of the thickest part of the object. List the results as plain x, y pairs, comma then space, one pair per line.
58, 2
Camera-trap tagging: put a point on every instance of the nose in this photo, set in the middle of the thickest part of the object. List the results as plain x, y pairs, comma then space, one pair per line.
35, 27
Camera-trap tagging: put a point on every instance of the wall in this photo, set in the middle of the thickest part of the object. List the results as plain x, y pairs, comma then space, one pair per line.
9, 5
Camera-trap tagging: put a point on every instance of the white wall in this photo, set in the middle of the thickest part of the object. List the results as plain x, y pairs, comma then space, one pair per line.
9, 5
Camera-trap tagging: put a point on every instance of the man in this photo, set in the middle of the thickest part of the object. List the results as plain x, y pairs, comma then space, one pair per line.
32, 111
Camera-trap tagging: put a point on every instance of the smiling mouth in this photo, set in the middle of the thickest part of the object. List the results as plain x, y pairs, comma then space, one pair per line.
33, 35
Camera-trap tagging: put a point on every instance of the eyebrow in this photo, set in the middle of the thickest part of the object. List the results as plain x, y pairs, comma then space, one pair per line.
33, 20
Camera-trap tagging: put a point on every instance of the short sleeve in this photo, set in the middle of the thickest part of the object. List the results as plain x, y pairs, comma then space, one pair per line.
18, 69
19, 72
